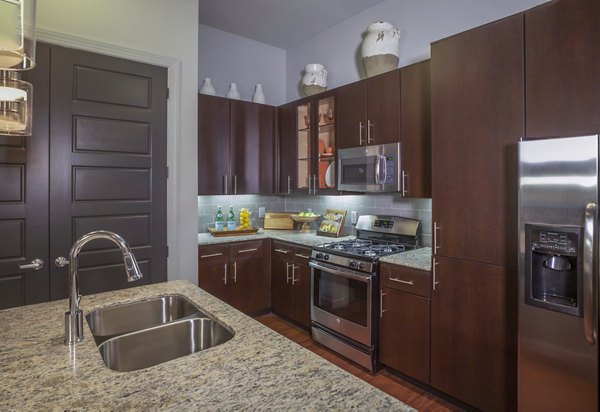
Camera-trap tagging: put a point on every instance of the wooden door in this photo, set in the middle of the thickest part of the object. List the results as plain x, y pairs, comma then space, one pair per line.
415, 129
404, 333
250, 284
214, 278
477, 118
24, 199
302, 294
252, 148
281, 287
473, 333
214, 177
352, 115
287, 148
562, 82
383, 108
108, 166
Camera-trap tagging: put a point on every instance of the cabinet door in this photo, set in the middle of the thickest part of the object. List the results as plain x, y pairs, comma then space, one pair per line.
214, 279
415, 130
301, 282
404, 333
473, 333
213, 145
249, 284
251, 148
281, 287
383, 108
287, 148
477, 118
562, 71
351, 115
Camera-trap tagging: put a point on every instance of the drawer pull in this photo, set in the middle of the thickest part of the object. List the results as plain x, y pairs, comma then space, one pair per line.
248, 250
213, 255
282, 251
302, 256
406, 282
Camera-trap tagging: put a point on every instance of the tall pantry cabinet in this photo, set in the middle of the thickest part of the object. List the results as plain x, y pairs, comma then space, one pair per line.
477, 118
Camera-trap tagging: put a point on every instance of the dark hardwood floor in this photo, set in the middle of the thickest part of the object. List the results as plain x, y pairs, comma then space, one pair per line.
391, 384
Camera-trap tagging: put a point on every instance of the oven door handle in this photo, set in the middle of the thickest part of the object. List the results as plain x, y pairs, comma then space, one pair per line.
339, 272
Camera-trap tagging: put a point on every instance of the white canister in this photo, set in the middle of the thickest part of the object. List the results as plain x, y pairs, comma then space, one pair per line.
207, 87
233, 92
259, 96
315, 79
380, 48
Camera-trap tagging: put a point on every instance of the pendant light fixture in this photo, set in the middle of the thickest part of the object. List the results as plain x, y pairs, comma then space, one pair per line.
17, 53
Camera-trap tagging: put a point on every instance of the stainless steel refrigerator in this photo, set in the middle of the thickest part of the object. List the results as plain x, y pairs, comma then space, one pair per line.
558, 274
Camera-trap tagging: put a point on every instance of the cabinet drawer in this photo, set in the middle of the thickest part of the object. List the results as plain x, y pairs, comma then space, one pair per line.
302, 254
406, 279
283, 250
208, 255
246, 250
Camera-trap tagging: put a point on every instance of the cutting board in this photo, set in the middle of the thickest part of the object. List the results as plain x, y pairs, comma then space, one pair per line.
279, 220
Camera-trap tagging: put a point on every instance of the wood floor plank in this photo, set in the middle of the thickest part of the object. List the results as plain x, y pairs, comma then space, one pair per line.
389, 383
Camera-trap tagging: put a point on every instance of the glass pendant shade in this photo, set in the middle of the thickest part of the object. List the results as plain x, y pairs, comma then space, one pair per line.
15, 105
17, 34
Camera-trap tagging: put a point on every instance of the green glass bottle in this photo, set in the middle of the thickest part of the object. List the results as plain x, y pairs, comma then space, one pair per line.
230, 219
219, 223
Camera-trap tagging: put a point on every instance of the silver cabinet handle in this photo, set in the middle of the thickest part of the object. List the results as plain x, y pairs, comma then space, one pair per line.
369, 125
225, 178
36, 264
381, 309
211, 255
289, 185
406, 282
435, 282
235, 184
287, 272
588, 274
225, 273
234, 272
61, 262
404, 189
436, 228
248, 250
282, 251
294, 267
360, 129
302, 256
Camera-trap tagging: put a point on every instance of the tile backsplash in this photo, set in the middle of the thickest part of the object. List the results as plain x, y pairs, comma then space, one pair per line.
369, 204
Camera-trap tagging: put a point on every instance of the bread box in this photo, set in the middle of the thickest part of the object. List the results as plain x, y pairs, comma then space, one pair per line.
279, 220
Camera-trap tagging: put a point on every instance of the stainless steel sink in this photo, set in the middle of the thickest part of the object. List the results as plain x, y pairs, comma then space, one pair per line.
109, 322
149, 347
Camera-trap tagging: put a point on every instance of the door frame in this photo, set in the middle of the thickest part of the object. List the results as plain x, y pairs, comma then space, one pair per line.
173, 114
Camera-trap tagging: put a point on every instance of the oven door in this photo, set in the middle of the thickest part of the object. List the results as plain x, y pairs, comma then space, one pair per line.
369, 168
342, 300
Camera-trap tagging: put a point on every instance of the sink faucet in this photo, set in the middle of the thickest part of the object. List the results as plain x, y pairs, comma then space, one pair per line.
74, 317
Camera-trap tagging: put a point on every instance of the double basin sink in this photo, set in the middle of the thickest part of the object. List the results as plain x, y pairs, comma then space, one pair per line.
145, 333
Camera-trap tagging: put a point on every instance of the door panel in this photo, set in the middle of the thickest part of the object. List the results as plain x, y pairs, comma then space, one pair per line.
302, 294
250, 285
351, 115
383, 108
213, 145
108, 166
287, 148
24, 199
281, 288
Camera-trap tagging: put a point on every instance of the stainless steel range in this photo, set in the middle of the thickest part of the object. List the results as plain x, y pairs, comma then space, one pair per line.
345, 284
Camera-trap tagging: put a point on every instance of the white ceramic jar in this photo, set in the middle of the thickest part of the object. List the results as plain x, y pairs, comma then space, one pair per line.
233, 92
259, 96
207, 87
380, 48
315, 79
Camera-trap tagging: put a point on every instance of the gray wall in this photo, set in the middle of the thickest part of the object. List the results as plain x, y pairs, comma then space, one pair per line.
393, 205
421, 23
227, 58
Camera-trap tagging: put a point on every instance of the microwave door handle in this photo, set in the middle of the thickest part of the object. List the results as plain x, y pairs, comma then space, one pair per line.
381, 182
377, 165
378, 180
589, 311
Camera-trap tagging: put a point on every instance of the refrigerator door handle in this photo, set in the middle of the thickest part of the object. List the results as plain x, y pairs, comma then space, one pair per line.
588, 274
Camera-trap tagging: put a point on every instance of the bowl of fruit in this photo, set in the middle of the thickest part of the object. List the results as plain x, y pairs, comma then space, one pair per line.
305, 218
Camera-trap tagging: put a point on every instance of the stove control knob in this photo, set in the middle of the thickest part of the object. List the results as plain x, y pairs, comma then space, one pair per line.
319, 255
326, 257
361, 265
352, 263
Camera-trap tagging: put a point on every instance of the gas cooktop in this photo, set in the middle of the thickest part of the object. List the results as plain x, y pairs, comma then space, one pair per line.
362, 248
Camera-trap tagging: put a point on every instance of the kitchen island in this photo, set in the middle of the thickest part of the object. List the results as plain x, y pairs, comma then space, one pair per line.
258, 369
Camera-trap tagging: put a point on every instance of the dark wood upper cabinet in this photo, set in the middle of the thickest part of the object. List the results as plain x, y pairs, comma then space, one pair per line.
477, 119
213, 144
415, 129
369, 111
235, 147
286, 148
562, 70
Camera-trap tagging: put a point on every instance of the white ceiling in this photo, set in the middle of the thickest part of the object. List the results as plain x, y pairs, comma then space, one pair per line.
280, 23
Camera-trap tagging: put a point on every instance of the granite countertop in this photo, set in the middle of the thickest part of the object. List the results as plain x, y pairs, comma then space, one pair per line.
258, 369
417, 259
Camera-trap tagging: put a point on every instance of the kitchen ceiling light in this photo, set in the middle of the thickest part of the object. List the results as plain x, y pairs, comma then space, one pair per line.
17, 53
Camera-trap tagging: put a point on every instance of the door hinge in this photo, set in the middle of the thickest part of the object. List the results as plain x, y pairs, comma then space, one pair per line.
167, 251
168, 93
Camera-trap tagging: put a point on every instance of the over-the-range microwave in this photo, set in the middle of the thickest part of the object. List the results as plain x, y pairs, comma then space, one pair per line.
370, 168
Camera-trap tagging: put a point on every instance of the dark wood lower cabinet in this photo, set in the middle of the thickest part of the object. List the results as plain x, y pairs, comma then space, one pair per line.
282, 294
473, 333
250, 288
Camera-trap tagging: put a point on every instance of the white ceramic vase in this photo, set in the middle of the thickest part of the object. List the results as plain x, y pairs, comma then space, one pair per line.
315, 79
233, 92
259, 96
207, 87
380, 48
